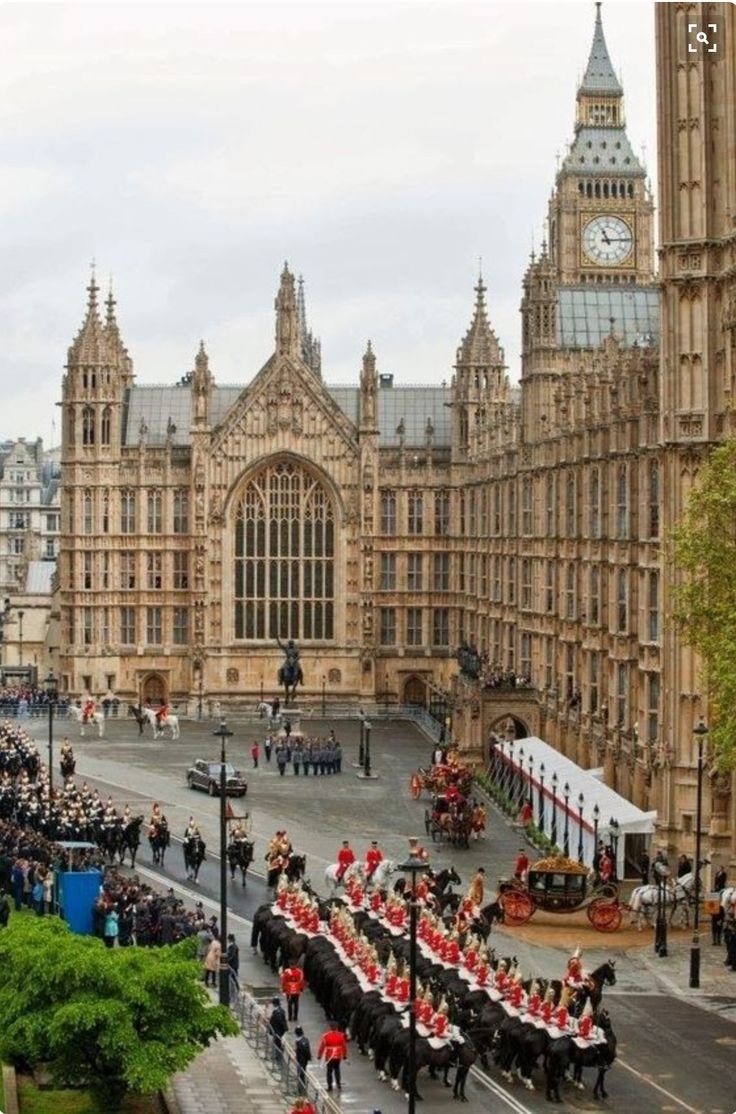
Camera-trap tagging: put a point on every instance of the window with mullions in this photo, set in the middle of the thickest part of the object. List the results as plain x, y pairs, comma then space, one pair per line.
284, 556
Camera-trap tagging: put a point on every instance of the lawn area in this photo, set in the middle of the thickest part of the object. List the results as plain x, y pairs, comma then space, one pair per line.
33, 1101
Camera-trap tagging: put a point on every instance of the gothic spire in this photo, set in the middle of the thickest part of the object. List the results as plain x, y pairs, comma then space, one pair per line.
600, 76
480, 346
89, 345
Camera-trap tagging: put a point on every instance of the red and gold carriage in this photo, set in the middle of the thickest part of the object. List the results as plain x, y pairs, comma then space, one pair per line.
560, 885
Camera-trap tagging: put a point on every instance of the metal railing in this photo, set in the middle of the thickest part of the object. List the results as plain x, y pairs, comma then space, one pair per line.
280, 1062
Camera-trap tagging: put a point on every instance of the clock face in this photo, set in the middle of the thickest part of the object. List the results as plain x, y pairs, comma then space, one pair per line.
607, 241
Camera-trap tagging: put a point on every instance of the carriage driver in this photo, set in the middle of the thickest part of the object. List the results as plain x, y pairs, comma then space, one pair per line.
373, 857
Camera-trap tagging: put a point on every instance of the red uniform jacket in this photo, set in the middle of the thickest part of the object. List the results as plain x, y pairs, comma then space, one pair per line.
292, 980
333, 1046
372, 858
345, 857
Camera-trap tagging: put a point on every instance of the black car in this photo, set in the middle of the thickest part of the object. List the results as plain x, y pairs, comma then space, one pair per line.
206, 775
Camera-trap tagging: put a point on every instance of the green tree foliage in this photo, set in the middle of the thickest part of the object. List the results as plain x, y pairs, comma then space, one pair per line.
114, 1019
705, 554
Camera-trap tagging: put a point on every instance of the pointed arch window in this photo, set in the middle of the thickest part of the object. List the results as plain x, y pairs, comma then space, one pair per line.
88, 426
106, 425
87, 512
284, 565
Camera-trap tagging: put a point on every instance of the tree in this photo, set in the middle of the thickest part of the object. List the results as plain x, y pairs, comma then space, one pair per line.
705, 597
112, 1019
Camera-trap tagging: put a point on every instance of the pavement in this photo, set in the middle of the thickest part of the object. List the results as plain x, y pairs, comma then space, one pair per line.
692, 1068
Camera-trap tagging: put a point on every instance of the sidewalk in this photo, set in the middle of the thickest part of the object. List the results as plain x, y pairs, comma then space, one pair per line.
226, 1077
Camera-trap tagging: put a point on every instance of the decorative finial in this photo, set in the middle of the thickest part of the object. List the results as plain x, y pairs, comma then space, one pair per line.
93, 288
110, 303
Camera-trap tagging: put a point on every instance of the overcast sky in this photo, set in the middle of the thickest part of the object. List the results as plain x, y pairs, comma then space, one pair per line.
191, 148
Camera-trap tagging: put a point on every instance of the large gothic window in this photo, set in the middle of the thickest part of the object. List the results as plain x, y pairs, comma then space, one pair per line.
284, 556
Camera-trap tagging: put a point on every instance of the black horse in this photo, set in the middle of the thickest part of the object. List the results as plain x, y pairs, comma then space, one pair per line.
563, 1052
239, 856
159, 839
130, 840
136, 711
67, 764
194, 855
294, 870
290, 677
592, 989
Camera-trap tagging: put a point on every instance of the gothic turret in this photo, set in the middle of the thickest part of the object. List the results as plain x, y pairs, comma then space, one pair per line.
479, 374
368, 392
288, 338
202, 384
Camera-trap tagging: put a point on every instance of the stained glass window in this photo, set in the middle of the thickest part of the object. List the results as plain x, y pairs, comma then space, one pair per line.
284, 564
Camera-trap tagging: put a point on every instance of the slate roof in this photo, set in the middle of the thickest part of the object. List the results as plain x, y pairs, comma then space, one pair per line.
158, 405
597, 150
38, 577
584, 315
600, 76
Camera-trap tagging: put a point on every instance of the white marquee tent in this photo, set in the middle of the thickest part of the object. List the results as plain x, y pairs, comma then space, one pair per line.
548, 774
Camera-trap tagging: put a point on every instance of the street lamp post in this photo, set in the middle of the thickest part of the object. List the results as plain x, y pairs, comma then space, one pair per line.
361, 744
510, 790
385, 694
20, 638
553, 833
566, 837
415, 864
700, 733
50, 684
541, 798
581, 802
661, 873
365, 773
596, 856
615, 826
531, 785
324, 696
521, 787
261, 688
223, 734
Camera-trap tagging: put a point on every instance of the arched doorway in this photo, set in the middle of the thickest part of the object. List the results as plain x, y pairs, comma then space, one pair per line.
510, 727
154, 689
415, 692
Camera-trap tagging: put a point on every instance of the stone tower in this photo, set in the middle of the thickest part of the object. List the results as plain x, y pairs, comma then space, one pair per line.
696, 100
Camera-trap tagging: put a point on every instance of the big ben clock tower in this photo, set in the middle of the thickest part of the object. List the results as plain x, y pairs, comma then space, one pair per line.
600, 214
595, 274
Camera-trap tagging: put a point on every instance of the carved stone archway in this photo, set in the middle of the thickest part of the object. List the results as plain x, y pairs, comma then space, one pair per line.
154, 689
415, 691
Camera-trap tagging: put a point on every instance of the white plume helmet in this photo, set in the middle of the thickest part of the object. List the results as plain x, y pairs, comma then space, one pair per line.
588, 1011
578, 953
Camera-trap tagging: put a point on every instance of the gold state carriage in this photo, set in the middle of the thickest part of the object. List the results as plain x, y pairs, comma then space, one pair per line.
560, 885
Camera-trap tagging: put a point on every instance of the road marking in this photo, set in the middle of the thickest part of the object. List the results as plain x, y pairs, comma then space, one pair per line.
511, 1101
650, 1081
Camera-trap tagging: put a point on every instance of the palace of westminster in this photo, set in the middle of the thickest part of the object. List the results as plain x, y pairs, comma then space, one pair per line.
380, 525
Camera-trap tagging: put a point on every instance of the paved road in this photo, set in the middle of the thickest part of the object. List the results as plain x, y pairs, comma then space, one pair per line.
674, 1056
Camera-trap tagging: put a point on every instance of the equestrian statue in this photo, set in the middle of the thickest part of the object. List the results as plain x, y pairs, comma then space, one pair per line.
290, 673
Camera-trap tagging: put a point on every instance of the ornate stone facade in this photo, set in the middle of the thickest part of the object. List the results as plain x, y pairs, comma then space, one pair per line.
380, 526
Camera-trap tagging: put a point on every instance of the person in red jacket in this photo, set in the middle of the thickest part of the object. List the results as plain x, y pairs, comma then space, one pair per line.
345, 858
302, 1106
292, 985
373, 857
333, 1049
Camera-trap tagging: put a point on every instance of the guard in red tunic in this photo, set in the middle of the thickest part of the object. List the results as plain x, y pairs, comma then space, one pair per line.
441, 1022
162, 714
373, 857
345, 859
89, 710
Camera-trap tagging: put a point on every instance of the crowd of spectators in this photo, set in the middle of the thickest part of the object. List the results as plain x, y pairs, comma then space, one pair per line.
496, 677
27, 700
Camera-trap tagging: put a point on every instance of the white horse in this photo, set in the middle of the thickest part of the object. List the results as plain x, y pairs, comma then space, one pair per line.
675, 897
331, 873
96, 718
382, 873
265, 711
169, 721
727, 896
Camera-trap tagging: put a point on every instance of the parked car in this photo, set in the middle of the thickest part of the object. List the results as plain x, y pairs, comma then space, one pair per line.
206, 775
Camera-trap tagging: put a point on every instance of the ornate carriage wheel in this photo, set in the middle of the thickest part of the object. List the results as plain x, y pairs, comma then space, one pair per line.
517, 906
604, 915
415, 786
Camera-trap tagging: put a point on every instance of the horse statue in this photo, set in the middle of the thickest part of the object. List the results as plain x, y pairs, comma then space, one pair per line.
96, 718
159, 726
159, 838
194, 855
290, 673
